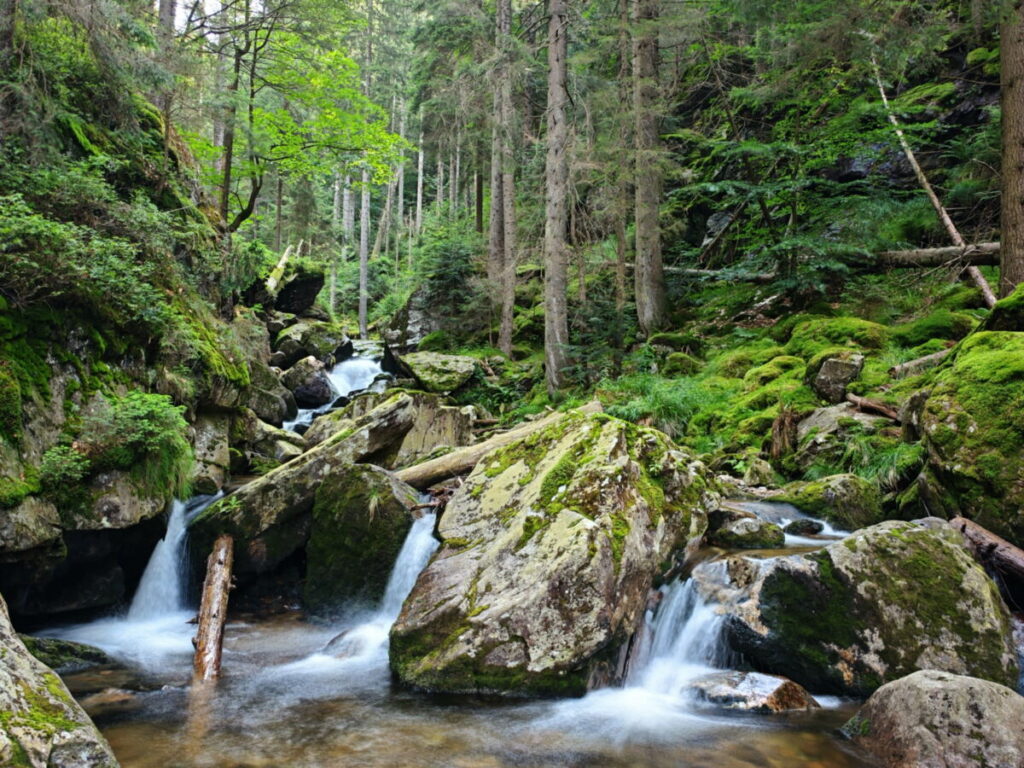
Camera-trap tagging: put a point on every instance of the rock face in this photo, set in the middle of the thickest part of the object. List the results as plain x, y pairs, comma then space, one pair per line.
270, 517
973, 427
752, 692
41, 726
548, 554
437, 426
938, 720
825, 433
324, 341
360, 519
835, 375
64, 656
299, 292
880, 604
308, 382
213, 457
847, 501
439, 373
255, 443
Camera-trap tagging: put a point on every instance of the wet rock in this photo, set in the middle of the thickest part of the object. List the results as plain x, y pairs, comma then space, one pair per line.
299, 292
747, 533
360, 519
752, 692
267, 396
759, 473
41, 725
973, 427
878, 605
110, 701
119, 502
439, 373
848, 501
213, 458
835, 375
824, 435
804, 526
31, 524
548, 553
308, 382
65, 656
437, 426
270, 517
939, 719
324, 341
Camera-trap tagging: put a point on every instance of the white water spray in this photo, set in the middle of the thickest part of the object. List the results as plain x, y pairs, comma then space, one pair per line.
348, 376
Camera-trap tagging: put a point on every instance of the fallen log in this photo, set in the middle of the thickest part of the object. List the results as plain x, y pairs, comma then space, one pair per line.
873, 405
463, 460
992, 551
213, 610
277, 273
980, 254
913, 367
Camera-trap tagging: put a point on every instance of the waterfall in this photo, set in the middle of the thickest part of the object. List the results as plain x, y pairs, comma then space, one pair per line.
348, 376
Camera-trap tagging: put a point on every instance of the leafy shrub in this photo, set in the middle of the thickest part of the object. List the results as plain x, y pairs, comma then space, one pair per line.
62, 465
668, 403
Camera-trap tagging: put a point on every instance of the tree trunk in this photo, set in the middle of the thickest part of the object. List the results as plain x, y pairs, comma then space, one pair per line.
213, 611
439, 198
8, 23
622, 213
496, 232
649, 283
364, 253
462, 460
278, 211
1011, 35
478, 191
982, 253
399, 206
508, 181
348, 211
556, 323
228, 149
165, 18
994, 552
419, 183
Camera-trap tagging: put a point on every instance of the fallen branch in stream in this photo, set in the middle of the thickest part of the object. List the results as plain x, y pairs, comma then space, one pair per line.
209, 640
462, 460
864, 404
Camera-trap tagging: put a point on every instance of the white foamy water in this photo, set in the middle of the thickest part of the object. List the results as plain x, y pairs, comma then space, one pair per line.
350, 375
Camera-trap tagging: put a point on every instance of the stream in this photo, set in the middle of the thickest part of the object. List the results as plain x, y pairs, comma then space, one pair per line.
301, 694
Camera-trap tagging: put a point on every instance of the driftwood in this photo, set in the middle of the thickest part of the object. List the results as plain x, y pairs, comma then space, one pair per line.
278, 272
914, 367
992, 551
463, 460
940, 210
980, 254
873, 405
209, 640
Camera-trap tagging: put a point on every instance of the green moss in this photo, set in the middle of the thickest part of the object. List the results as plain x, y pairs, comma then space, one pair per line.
63, 655
437, 341
774, 369
941, 324
10, 403
848, 501
736, 362
14, 490
680, 364
681, 341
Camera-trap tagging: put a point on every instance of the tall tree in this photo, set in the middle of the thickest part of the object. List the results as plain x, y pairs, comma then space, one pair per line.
649, 283
1011, 260
556, 324
504, 131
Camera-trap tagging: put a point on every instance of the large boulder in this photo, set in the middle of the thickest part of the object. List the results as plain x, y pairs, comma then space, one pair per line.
751, 692
299, 291
439, 373
32, 523
41, 726
548, 554
437, 425
267, 396
878, 605
326, 342
308, 382
824, 436
938, 720
835, 374
213, 457
256, 444
417, 319
973, 428
848, 501
360, 519
270, 517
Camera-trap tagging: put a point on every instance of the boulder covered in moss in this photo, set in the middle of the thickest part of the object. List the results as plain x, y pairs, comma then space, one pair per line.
270, 517
847, 501
884, 602
747, 533
212, 452
824, 435
680, 364
41, 725
65, 656
934, 718
361, 516
267, 396
439, 373
308, 382
834, 374
973, 427
299, 291
548, 553
326, 342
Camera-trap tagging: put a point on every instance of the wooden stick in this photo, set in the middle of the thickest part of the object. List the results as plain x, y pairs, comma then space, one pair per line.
912, 367
977, 254
873, 405
278, 272
209, 640
991, 550
947, 222
464, 459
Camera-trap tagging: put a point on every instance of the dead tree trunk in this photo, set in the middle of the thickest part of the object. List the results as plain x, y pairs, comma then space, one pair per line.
977, 255
1011, 47
213, 611
994, 552
914, 367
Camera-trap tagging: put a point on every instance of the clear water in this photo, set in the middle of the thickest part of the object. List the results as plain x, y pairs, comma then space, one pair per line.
350, 375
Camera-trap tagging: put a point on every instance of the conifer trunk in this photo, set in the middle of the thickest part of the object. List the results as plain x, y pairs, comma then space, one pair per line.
1011, 267
556, 331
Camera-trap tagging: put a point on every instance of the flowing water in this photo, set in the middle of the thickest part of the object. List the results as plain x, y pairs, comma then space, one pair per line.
351, 375
303, 695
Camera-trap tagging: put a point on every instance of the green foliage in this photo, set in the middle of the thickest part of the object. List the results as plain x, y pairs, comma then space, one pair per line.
62, 465
447, 265
669, 404
10, 402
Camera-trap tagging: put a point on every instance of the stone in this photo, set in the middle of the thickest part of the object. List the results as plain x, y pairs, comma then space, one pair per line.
308, 382
803, 526
759, 473
884, 602
416, 320
847, 501
299, 292
835, 375
933, 719
267, 396
548, 553
65, 656
32, 523
440, 373
360, 519
824, 435
748, 533
752, 692
326, 342
270, 517
119, 502
212, 454
278, 321
41, 725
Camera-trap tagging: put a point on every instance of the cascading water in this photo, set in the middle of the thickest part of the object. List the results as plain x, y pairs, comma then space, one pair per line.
348, 376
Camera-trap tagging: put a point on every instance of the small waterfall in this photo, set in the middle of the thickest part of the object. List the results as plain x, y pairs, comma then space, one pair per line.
350, 375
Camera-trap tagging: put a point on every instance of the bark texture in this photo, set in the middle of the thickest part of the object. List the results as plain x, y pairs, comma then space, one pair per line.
213, 610
1011, 267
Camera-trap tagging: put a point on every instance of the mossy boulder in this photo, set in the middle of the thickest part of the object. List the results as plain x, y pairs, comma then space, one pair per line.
747, 533
973, 427
308, 382
834, 374
934, 718
65, 656
680, 364
41, 726
440, 373
270, 517
812, 336
1008, 313
824, 436
548, 553
847, 501
361, 516
326, 342
941, 324
884, 602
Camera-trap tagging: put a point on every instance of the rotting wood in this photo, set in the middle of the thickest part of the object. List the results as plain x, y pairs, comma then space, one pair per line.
991, 550
978, 254
209, 640
914, 367
278, 272
873, 405
464, 459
